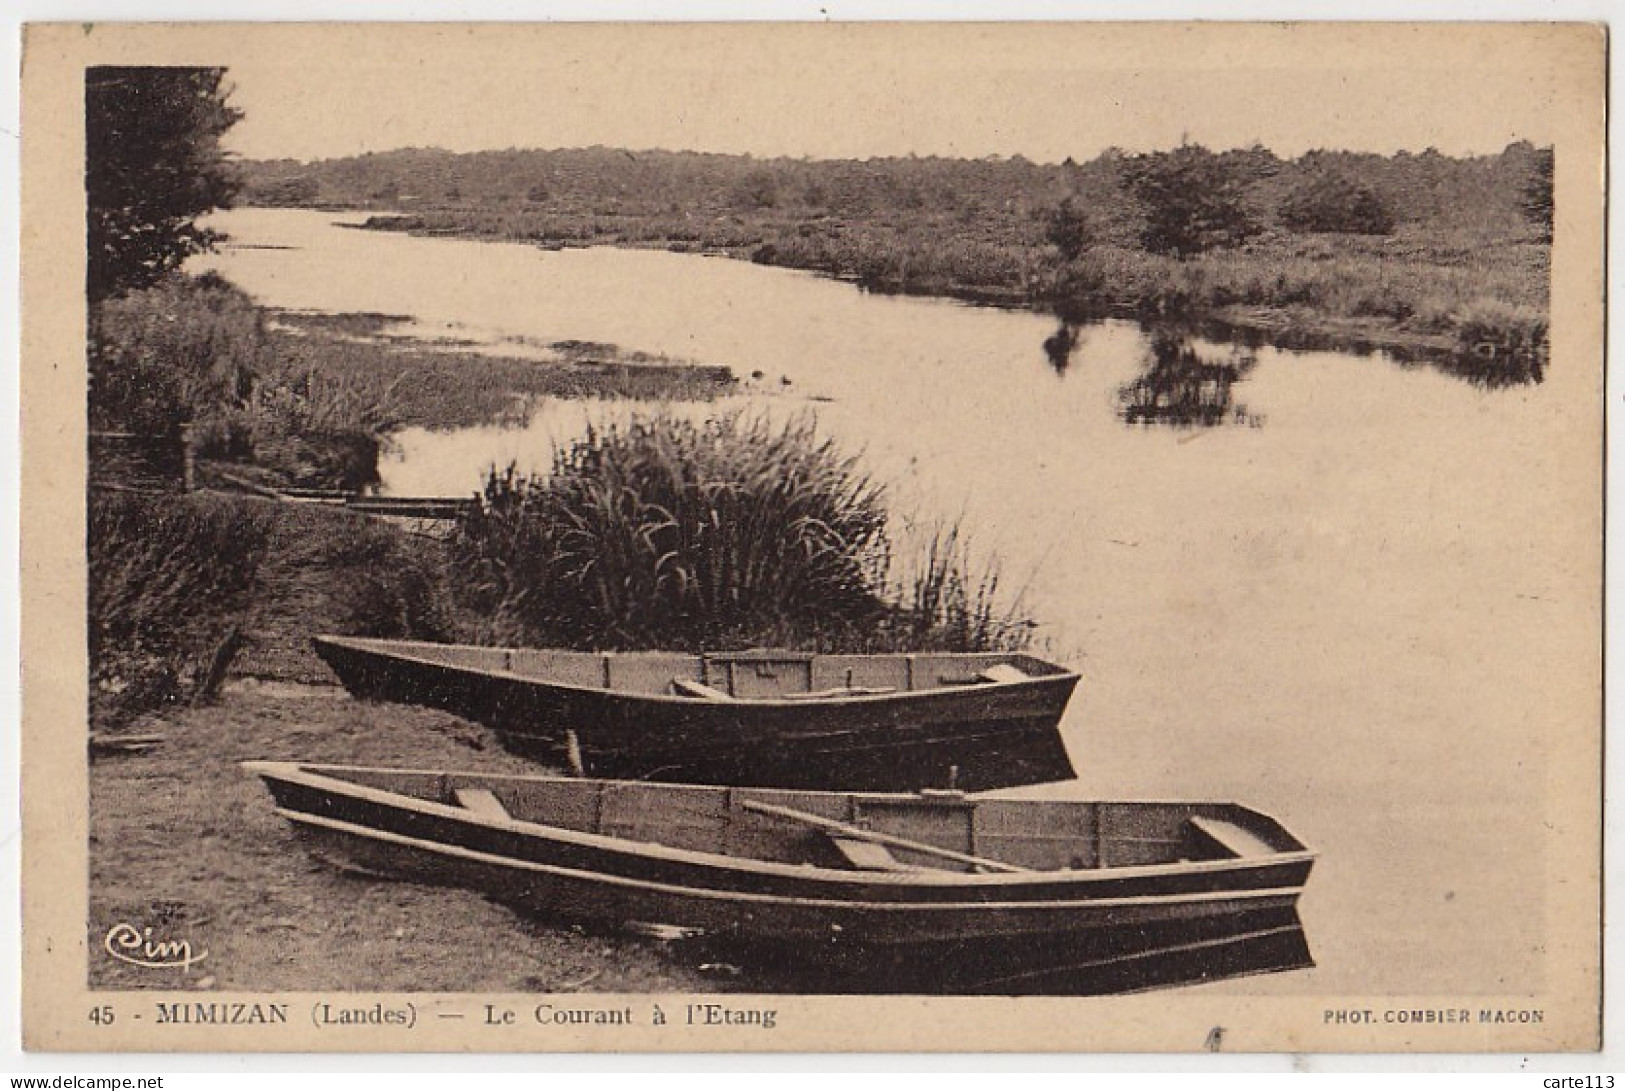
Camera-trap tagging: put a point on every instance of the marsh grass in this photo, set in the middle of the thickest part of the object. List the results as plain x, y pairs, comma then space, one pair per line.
662, 531
384, 384
735, 532
946, 598
1422, 286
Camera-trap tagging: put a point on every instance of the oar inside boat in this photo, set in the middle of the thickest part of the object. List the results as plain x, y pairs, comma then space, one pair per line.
846, 830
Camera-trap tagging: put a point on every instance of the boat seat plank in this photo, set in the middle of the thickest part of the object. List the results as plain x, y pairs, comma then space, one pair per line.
685, 688
1231, 838
866, 855
481, 801
869, 856
1003, 672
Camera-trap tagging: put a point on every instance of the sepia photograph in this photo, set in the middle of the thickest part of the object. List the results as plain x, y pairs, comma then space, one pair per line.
734, 537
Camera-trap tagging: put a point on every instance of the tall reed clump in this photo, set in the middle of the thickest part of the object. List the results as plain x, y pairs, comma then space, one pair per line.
169, 578
945, 600
663, 533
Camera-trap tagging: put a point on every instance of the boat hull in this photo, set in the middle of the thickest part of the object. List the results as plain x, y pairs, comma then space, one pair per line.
1073, 930
1083, 963
975, 738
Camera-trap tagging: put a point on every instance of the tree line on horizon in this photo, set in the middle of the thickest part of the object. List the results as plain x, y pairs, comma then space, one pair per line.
1179, 201
154, 164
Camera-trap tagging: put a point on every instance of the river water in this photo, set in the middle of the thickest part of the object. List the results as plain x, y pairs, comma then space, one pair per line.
1347, 604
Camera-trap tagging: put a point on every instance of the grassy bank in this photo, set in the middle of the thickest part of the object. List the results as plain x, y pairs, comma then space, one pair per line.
308, 400
1424, 252
1425, 290
1447, 295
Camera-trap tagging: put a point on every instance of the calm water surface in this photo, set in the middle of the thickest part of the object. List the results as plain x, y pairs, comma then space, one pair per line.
1344, 610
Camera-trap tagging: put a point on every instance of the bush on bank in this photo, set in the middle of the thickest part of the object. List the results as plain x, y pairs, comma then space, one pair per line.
169, 579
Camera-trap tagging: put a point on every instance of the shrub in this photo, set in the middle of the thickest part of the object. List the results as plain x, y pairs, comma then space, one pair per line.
377, 579
1335, 204
168, 580
1194, 200
185, 350
1500, 344
1067, 227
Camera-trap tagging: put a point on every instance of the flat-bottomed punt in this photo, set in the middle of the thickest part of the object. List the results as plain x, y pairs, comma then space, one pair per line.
762, 718
946, 887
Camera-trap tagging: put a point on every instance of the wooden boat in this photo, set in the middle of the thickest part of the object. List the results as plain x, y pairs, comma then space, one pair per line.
764, 718
946, 886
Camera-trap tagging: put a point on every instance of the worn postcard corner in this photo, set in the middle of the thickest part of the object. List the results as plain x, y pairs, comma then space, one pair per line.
1070, 537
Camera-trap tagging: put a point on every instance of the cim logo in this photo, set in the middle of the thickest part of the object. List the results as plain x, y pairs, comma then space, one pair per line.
127, 943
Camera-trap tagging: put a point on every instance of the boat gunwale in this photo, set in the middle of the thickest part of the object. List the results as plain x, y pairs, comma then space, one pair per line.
681, 701
297, 773
1290, 893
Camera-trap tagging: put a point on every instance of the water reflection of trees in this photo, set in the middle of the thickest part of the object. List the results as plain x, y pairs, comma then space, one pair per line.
1185, 388
1491, 362
1484, 358
1058, 346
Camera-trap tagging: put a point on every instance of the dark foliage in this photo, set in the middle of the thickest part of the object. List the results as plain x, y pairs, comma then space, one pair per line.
1336, 204
182, 350
153, 164
1536, 202
169, 578
1194, 201
1183, 388
1067, 227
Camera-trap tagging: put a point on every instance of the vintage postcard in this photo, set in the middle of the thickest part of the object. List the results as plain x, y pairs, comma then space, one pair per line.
1044, 537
